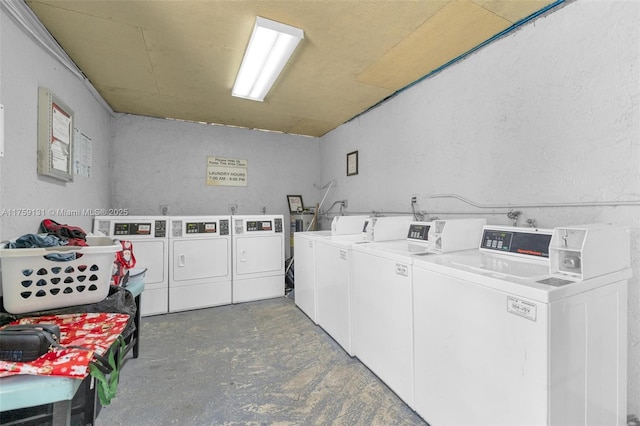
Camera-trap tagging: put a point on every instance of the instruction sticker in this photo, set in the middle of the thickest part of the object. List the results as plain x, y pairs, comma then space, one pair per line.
522, 308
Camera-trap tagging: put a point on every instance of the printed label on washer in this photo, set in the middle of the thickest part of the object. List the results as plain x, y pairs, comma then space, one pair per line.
402, 270
522, 308
343, 254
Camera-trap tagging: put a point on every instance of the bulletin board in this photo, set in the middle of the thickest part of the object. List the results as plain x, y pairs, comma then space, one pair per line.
55, 136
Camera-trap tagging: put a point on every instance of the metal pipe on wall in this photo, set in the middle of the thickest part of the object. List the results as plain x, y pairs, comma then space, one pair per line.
536, 206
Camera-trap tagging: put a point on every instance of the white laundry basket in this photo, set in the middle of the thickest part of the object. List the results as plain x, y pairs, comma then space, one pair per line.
33, 282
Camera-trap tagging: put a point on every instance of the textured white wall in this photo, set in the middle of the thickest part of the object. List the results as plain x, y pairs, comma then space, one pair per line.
25, 67
548, 114
160, 162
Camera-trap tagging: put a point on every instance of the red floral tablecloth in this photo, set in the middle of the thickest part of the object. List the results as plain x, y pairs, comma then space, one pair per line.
95, 331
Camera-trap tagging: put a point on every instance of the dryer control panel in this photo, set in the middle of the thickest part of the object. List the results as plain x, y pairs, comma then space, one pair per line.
154, 228
138, 227
199, 226
258, 224
208, 227
132, 228
264, 225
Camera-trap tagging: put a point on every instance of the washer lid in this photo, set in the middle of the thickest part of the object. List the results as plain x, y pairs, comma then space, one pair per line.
407, 247
525, 277
504, 265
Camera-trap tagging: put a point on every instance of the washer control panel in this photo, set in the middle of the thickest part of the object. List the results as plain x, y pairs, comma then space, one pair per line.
533, 242
419, 232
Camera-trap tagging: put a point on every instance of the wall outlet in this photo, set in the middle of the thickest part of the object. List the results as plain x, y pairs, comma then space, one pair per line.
233, 208
164, 209
264, 208
345, 203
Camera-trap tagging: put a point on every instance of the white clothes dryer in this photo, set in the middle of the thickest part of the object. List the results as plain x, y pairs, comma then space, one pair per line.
258, 257
200, 253
499, 341
149, 235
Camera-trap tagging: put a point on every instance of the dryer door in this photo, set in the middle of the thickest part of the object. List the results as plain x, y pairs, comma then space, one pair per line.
195, 259
152, 254
259, 255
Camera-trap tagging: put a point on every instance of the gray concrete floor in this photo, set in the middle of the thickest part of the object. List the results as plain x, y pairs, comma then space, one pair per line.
256, 363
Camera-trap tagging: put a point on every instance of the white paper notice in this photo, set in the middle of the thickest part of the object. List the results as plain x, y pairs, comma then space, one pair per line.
226, 172
61, 125
60, 156
82, 153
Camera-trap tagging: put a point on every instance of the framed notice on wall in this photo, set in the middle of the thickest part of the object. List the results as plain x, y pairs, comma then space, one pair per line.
226, 171
295, 203
55, 136
352, 163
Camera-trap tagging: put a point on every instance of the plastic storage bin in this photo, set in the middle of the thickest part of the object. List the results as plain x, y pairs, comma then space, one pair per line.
32, 282
136, 280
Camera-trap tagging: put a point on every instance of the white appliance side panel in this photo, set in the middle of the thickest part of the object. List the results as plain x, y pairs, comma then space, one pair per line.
198, 296
382, 320
200, 259
332, 281
154, 301
153, 255
305, 280
481, 358
259, 254
589, 358
267, 287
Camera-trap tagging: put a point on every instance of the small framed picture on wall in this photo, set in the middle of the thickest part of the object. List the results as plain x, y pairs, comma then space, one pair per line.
352, 163
295, 203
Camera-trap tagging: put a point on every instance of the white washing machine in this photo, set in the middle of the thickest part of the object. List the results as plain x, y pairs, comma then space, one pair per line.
258, 257
333, 275
305, 271
200, 253
305, 259
382, 301
501, 341
150, 238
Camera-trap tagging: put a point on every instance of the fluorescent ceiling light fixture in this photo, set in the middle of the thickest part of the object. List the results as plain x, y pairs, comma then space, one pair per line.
269, 49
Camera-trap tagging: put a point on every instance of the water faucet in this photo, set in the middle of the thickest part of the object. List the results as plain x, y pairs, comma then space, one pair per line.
514, 215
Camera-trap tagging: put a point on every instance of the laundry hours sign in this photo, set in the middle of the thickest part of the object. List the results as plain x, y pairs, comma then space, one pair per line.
226, 171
